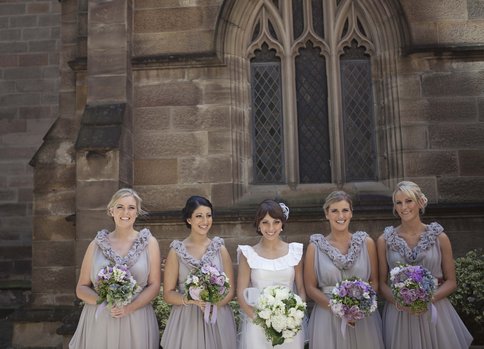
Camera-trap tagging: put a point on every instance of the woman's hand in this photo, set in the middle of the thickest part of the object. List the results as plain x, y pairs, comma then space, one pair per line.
119, 312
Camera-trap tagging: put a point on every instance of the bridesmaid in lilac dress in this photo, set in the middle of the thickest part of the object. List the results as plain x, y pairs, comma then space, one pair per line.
133, 326
186, 327
416, 243
330, 259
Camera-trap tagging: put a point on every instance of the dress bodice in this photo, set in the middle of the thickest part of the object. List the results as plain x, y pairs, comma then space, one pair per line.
426, 253
187, 262
269, 272
332, 266
136, 260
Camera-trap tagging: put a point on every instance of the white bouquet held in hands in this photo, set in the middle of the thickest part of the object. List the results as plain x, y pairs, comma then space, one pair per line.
115, 287
280, 313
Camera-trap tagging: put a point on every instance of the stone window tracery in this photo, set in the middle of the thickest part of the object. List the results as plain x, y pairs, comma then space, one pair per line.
312, 100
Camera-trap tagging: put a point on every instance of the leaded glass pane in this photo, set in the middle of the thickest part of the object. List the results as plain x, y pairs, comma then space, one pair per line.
297, 18
358, 119
317, 11
312, 112
268, 152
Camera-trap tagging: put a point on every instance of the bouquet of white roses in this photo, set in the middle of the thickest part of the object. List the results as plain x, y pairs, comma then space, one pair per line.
208, 284
352, 299
280, 313
115, 286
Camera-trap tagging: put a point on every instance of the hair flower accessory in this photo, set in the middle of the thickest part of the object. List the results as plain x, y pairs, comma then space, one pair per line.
285, 210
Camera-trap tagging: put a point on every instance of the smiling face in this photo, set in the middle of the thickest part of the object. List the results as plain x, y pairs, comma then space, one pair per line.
124, 211
406, 207
339, 215
201, 220
270, 228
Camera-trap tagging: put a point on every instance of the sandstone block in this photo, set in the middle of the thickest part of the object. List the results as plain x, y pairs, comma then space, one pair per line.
156, 171
95, 195
36, 334
97, 165
216, 92
435, 10
415, 137
175, 19
475, 9
170, 197
107, 88
424, 33
214, 169
460, 189
453, 84
107, 36
55, 203
172, 144
89, 222
53, 279
409, 86
53, 253
219, 142
222, 194
179, 93
108, 12
456, 136
108, 62
471, 162
65, 177
152, 118
457, 32
438, 163
201, 117
153, 44
53, 228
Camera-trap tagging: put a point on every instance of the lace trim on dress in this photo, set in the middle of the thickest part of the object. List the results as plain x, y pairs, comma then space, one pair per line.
212, 249
341, 261
426, 241
291, 259
134, 252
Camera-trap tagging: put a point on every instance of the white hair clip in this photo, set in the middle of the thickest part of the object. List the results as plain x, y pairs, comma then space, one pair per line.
285, 210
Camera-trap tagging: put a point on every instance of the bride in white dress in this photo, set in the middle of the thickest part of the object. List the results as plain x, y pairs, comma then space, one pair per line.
270, 262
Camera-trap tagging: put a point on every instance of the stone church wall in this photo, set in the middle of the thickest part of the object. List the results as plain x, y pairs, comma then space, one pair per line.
29, 88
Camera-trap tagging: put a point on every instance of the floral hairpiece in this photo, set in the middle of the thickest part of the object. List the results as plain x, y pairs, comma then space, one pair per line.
285, 210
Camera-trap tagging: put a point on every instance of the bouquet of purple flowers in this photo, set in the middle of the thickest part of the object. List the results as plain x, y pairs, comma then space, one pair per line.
412, 287
208, 284
352, 300
115, 287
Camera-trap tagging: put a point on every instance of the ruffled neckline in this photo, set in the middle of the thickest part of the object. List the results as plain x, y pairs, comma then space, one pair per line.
138, 246
213, 248
341, 261
255, 261
427, 240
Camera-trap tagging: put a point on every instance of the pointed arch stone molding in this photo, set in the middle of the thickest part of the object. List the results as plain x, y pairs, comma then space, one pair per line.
389, 31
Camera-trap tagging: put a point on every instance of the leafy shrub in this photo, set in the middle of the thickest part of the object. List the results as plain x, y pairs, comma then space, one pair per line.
468, 299
162, 311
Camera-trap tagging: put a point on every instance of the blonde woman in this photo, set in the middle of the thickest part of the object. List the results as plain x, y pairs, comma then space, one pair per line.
417, 243
133, 326
339, 255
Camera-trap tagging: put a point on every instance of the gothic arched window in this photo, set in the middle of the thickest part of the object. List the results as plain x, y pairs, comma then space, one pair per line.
312, 99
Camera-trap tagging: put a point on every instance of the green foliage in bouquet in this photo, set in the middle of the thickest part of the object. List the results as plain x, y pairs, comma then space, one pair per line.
468, 299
